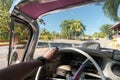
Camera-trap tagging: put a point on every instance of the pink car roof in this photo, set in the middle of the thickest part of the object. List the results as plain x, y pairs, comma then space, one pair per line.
35, 9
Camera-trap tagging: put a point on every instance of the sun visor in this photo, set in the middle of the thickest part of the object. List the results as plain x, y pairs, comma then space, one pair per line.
34, 9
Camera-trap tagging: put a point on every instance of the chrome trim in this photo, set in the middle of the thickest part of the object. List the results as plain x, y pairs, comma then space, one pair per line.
11, 41
15, 2
33, 42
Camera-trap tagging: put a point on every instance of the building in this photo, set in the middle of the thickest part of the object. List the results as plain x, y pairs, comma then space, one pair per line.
116, 37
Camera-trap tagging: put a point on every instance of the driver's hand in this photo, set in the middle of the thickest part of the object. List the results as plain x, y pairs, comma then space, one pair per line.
50, 54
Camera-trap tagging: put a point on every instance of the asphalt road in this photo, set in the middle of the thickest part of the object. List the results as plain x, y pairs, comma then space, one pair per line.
3, 56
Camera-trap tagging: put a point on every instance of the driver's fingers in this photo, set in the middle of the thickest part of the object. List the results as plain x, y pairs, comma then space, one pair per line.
50, 54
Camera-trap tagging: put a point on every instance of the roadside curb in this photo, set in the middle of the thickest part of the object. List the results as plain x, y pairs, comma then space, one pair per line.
4, 43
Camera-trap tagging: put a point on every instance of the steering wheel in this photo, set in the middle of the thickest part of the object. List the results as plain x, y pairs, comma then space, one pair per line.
79, 71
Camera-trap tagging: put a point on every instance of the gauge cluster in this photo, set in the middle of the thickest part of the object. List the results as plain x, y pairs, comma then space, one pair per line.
76, 62
116, 55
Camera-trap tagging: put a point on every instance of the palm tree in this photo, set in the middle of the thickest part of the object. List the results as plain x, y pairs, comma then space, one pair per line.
42, 21
110, 9
44, 31
77, 28
72, 28
65, 28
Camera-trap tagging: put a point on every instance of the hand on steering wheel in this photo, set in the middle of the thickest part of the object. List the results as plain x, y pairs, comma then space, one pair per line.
51, 55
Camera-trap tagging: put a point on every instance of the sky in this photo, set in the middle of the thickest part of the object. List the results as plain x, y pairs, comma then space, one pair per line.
91, 16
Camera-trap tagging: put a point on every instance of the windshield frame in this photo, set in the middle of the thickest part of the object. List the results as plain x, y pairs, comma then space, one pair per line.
13, 20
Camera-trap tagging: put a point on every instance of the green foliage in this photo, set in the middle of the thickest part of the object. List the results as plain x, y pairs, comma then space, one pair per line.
98, 35
105, 32
110, 9
106, 29
72, 28
45, 34
42, 21
21, 31
4, 18
86, 37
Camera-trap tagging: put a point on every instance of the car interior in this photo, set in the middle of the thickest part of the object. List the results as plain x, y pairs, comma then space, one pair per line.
86, 61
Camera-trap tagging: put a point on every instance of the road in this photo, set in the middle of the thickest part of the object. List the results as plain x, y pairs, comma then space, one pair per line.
3, 56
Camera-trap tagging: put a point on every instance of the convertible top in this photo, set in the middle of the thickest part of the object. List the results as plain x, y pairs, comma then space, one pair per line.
36, 8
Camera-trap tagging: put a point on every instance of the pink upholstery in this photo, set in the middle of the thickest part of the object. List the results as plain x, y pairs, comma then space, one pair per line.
35, 9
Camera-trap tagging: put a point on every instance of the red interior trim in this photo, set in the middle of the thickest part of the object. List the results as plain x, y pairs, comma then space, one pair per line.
35, 9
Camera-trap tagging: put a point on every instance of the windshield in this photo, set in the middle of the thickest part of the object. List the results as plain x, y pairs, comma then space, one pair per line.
75, 26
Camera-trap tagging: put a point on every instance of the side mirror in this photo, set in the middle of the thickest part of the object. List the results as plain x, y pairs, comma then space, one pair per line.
14, 58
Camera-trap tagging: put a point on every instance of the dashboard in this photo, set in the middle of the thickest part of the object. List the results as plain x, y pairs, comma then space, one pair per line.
70, 62
113, 53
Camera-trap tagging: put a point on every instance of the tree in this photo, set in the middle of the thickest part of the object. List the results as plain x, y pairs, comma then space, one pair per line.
110, 9
106, 30
64, 28
98, 35
54, 34
21, 32
72, 28
45, 34
42, 21
76, 28
86, 36
5, 16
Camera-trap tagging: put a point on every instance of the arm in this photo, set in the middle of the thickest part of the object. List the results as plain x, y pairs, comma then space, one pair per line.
21, 70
